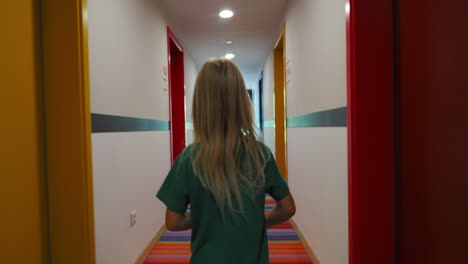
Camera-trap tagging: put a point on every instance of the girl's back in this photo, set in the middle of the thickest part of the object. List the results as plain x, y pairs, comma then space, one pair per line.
224, 175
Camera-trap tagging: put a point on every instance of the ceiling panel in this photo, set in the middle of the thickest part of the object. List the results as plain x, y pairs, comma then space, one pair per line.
252, 29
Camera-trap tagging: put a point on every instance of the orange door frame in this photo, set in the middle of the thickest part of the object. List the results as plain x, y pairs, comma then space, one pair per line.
64, 35
24, 223
279, 62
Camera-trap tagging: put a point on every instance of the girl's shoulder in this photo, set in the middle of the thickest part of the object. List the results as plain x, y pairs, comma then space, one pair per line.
265, 150
187, 151
263, 147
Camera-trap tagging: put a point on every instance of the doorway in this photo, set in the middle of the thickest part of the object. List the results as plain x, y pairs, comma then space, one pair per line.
175, 55
260, 103
250, 93
279, 65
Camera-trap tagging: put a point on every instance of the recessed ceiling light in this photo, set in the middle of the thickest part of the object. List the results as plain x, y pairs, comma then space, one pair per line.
226, 13
229, 56
228, 42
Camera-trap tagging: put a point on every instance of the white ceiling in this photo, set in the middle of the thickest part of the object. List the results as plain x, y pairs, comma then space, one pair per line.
252, 29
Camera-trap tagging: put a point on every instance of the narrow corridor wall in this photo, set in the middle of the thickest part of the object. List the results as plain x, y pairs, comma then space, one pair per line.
316, 133
317, 152
268, 104
255, 107
128, 79
191, 72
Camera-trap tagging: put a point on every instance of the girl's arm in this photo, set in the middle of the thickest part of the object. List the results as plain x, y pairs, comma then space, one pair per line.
178, 222
283, 210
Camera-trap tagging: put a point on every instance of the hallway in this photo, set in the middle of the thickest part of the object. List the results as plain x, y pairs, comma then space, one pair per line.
363, 104
143, 68
284, 244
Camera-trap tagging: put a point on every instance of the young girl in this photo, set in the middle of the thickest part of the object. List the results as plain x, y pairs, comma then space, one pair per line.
224, 175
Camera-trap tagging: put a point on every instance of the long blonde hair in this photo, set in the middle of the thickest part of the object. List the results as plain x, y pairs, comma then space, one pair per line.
228, 159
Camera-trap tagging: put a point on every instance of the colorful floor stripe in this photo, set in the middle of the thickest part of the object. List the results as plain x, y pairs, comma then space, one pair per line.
284, 245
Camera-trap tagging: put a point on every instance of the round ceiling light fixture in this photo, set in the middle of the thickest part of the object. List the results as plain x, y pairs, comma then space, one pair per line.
229, 56
229, 42
226, 13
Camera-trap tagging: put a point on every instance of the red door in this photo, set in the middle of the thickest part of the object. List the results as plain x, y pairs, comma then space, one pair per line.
432, 131
370, 131
176, 94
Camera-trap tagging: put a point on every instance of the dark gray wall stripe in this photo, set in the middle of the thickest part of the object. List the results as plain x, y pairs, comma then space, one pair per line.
112, 123
329, 118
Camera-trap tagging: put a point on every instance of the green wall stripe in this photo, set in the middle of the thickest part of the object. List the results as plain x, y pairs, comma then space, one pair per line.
269, 123
111, 123
328, 118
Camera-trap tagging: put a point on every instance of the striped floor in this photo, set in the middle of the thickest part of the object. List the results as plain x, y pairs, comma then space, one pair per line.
285, 247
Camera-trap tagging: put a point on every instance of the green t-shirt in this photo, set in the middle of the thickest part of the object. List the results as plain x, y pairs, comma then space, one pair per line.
236, 240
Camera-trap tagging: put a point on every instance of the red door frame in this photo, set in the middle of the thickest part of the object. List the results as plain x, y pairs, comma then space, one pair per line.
176, 82
369, 27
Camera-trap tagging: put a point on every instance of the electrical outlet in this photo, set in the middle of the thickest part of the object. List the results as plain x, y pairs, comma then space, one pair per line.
133, 218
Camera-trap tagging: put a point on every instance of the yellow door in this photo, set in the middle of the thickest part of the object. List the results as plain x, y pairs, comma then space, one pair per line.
68, 131
23, 225
45, 158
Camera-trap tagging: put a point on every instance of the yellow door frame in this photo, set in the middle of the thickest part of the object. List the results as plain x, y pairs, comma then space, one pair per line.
279, 62
24, 224
64, 35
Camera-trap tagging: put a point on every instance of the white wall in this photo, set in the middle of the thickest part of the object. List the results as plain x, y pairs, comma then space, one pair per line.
191, 72
318, 180
128, 168
127, 53
317, 156
316, 51
268, 102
